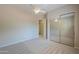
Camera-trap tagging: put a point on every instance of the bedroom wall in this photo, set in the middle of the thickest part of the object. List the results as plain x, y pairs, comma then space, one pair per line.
67, 9
16, 25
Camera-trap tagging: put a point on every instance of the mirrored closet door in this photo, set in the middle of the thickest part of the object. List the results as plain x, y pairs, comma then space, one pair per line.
62, 29
54, 30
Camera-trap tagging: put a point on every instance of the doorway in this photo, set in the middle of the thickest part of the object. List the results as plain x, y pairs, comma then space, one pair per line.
42, 28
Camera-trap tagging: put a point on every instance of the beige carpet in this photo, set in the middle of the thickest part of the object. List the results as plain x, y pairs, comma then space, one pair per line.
38, 46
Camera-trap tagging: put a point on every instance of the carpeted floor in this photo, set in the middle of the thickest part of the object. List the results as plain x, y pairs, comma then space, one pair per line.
37, 46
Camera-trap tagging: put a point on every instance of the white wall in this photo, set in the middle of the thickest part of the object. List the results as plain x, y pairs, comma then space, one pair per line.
67, 9
16, 25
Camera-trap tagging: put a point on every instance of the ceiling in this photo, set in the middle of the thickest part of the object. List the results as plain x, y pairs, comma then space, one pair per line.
48, 7
45, 7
